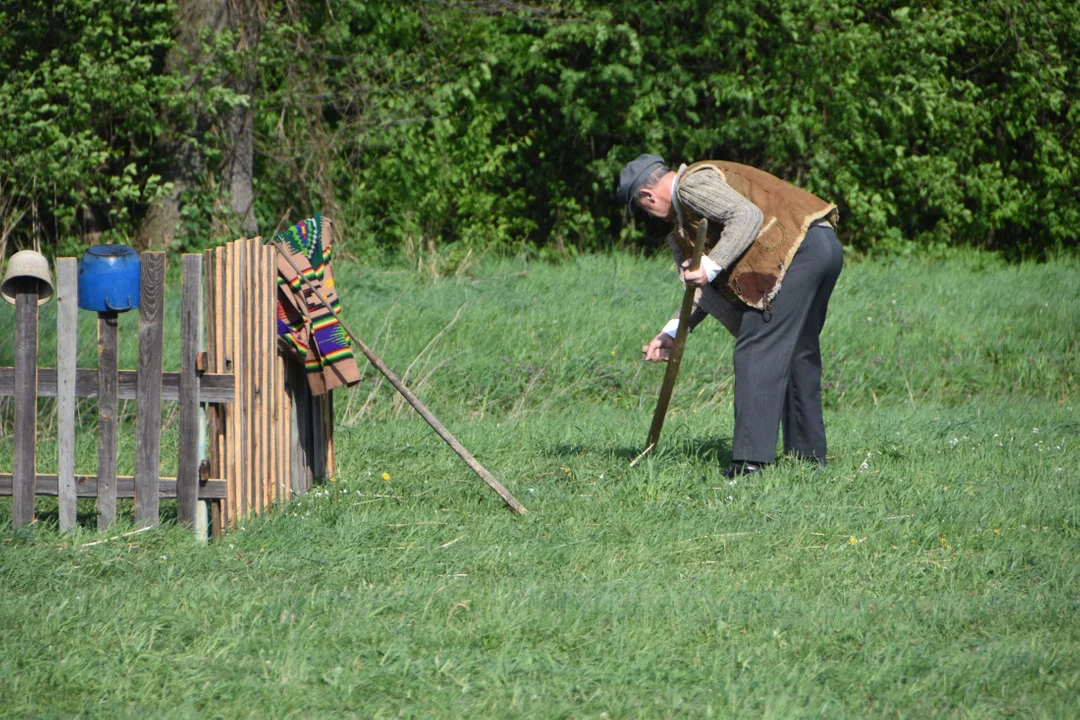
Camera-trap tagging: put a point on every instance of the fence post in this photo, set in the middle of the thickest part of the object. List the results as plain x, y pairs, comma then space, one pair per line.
67, 357
107, 382
24, 470
187, 476
148, 389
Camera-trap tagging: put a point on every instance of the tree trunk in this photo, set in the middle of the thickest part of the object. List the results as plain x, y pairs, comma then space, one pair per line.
181, 146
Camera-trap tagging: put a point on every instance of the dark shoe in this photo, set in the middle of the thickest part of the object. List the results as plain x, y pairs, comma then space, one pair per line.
815, 463
743, 467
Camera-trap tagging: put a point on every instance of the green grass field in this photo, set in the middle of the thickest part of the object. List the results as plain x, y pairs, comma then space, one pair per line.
931, 569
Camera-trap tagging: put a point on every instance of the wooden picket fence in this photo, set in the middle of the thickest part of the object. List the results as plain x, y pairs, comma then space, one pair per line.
267, 437
275, 438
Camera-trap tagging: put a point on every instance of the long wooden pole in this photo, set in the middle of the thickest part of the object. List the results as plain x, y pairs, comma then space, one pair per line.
672, 371
442, 432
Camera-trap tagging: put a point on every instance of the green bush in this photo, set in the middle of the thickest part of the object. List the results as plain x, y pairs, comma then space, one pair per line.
82, 89
931, 127
449, 129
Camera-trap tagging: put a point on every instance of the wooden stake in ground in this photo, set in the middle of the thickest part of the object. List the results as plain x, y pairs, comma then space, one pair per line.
24, 470
107, 382
675, 360
442, 432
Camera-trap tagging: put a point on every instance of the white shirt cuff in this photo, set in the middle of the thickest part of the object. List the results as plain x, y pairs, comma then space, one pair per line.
671, 328
710, 267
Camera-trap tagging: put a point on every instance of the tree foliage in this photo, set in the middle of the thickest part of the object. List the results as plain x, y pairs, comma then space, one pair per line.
81, 85
444, 127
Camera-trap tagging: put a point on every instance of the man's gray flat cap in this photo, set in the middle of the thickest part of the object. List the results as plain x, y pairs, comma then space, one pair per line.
634, 175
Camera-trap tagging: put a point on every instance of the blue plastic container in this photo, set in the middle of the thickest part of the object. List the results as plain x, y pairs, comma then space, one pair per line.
109, 277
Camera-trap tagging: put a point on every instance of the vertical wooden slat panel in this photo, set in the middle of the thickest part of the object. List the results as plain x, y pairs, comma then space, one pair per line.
299, 440
148, 388
271, 384
331, 465
280, 438
187, 475
244, 356
67, 343
217, 519
210, 365
24, 470
275, 431
107, 383
213, 415
222, 517
239, 371
252, 361
268, 355
221, 261
275, 377
256, 374
307, 434
258, 378
286, 430
297, 464
202, 454
318, 436
232, 410
309, 401
267, 379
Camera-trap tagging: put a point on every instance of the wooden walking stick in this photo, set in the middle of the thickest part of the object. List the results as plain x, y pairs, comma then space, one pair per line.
442, 432
675, 360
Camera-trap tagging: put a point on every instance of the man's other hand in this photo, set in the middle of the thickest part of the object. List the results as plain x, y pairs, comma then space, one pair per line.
659, 348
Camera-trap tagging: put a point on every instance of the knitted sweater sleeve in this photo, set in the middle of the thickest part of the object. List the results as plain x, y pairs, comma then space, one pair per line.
705, 194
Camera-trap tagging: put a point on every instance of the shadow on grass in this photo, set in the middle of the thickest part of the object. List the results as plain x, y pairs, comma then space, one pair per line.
706, 449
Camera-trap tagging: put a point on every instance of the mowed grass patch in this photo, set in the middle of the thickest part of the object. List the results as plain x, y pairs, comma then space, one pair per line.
930, 569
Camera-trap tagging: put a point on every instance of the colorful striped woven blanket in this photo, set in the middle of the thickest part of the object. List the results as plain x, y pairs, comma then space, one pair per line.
309, 330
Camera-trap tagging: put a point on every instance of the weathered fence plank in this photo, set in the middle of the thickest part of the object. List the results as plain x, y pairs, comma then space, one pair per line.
245, 351
24, 467
286, 424
228, 331
318, 436
107, 406
265, 417
213, 415
187, 474
86, 486
331, 462
257, 376
148, 388
213, 387
219, 331
274, 410
67, 320
240, 362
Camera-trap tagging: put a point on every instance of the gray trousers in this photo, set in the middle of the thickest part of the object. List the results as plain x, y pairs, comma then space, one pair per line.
778, 358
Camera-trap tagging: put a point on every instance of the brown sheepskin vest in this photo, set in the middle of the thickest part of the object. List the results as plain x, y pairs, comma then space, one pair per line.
788, 211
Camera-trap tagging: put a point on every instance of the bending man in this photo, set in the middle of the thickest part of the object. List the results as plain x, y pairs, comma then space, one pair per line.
763, 233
